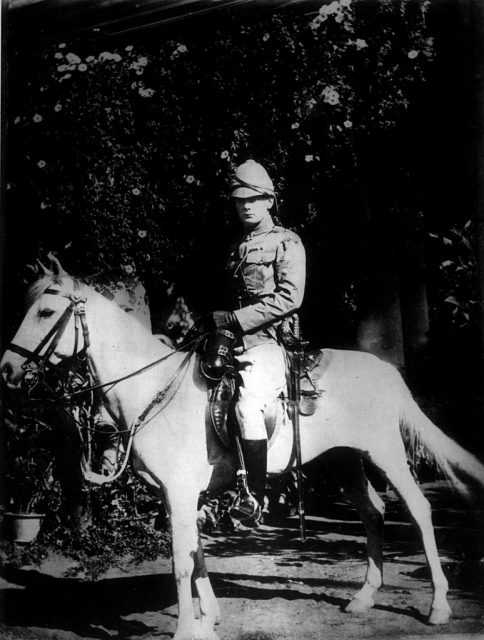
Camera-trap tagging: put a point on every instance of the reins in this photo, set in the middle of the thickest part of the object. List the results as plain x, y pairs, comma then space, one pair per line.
147, 367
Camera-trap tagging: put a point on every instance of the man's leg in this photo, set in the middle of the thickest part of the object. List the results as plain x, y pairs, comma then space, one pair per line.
263, 377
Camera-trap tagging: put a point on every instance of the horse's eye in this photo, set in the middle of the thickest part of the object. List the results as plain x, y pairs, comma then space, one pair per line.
46, 313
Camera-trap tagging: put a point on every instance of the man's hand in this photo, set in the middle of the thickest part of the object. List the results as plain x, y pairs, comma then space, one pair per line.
222, 320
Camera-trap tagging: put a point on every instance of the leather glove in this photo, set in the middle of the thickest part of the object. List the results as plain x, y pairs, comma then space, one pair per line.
222, 320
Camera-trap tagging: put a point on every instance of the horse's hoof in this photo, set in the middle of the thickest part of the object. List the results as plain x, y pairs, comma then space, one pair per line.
358, 606
439, 616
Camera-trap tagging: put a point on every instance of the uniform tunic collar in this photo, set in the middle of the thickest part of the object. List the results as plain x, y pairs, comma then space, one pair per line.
264, 226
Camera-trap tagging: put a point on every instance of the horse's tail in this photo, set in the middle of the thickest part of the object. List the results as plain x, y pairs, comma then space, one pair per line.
425, 437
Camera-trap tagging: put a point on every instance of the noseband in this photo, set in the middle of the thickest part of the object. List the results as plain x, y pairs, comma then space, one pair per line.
36, 363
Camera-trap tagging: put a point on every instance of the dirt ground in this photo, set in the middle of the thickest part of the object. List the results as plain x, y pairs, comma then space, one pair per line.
270, 585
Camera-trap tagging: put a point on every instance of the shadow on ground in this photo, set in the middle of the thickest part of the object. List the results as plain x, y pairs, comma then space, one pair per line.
106, 608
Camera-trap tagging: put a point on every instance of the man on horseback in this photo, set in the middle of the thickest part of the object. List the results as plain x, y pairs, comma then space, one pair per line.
266, 272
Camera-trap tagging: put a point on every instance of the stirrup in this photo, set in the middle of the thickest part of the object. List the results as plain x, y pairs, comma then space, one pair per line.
245, 507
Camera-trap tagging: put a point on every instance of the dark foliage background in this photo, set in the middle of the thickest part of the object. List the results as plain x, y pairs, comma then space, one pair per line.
119, 151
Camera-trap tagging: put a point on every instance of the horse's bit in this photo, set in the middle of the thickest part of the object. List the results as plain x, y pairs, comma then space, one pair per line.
36, 362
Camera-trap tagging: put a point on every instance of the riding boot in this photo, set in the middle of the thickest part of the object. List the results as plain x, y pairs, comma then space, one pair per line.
255, 456
248, 507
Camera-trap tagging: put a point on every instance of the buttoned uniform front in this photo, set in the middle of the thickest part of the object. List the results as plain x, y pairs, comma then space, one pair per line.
267, 273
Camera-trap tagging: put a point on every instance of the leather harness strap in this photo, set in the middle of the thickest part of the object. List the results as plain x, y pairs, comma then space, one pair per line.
55, 333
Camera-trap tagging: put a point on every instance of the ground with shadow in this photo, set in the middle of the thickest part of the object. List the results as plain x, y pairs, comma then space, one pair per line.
270, 585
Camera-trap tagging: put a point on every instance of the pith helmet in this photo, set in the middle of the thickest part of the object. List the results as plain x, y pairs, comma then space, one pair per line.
249, 180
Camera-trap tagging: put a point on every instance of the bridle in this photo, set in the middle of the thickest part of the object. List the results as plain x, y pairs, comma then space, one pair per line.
37, 362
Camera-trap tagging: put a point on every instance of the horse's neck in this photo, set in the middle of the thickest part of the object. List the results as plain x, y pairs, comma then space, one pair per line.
120, 345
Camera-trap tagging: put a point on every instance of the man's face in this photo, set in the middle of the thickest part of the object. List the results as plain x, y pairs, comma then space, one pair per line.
251, 211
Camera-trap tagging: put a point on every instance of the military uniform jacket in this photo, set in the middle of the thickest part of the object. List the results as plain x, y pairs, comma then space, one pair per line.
267, 274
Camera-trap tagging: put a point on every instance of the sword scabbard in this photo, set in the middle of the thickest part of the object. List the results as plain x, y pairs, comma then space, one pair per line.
294, 393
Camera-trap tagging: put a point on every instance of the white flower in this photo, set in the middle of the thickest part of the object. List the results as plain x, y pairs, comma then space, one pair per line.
139, 71
61, 68
62, 45
142, 61
17, 120
145, 92
182, 48
58, 55
142, 233
224, 154
37, 118
330, 95
295, 125
72, 58
190, 179
265, 37
43, 205
41, 164
360, 44
347, 124
317, 21
129, 47
309, 157
58, 107
136, 191
412, 54
82, 67
107, 55
90, 59
128, 268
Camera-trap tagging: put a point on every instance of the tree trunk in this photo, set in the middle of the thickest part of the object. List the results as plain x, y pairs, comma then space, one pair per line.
476, 22
380, 331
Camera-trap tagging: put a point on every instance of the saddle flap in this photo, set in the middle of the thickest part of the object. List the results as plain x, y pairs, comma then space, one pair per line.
313, 368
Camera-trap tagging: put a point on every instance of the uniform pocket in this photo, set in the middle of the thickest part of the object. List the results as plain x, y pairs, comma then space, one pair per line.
261, 256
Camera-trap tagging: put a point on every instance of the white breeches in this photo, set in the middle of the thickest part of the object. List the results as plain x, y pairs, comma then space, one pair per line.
262, 370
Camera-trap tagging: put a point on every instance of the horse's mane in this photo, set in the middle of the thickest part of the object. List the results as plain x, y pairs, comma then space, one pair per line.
39, 286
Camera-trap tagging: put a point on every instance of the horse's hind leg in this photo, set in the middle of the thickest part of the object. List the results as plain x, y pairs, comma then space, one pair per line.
371, 509
352, 479
394, 465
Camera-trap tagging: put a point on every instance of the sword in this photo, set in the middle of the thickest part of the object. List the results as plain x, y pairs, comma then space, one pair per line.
294, 393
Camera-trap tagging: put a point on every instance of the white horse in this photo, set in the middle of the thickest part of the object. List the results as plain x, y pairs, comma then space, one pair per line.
364, 406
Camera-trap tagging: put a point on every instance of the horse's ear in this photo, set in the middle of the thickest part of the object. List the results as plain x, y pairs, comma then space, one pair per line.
57, 269
42, 269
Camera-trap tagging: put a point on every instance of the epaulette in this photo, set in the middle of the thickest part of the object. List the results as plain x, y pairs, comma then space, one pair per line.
286, 233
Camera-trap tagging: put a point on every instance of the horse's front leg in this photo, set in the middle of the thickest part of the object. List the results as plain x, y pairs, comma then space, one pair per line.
209, 607
183, 515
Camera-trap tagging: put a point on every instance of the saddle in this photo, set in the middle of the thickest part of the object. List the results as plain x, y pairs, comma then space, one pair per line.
222, 398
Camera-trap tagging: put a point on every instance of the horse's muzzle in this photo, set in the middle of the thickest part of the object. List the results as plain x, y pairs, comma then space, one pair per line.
10, 375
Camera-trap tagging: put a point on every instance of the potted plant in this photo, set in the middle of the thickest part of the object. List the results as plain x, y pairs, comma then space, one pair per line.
27, 476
